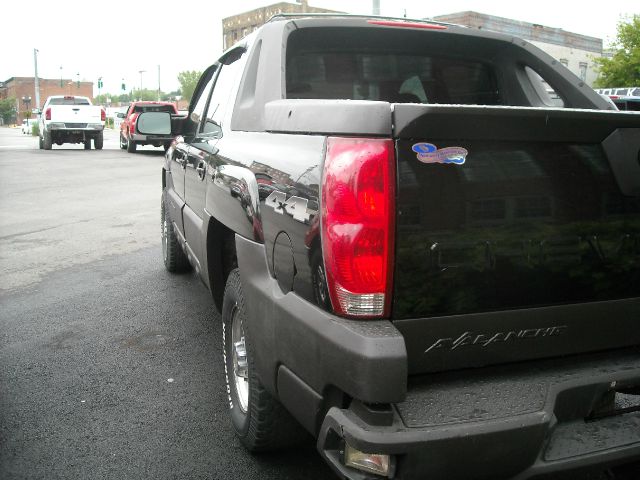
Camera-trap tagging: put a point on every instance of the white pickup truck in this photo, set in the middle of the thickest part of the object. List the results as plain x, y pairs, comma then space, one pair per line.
71, 119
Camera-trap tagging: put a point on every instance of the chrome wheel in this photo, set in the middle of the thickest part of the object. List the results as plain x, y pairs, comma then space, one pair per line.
240, 364
322, 281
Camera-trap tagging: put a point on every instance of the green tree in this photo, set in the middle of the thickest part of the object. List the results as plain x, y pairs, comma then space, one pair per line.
188, 81
171, 96
623, 68
7, 109
101, 99
145, 94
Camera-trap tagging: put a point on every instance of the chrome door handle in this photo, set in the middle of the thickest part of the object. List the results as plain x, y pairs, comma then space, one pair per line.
201, 169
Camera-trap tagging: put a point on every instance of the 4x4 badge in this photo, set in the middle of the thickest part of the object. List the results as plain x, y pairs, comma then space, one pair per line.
429, 153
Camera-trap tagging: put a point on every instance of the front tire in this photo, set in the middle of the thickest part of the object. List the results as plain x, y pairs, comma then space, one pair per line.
259, 420
123, 143
40, 142
98, 142
174, 258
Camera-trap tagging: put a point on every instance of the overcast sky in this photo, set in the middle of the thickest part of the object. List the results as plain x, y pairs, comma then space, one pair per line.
115, 39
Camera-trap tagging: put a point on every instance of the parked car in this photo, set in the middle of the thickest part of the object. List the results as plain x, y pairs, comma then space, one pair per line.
130, 138
420, 256
27, 125
71, 119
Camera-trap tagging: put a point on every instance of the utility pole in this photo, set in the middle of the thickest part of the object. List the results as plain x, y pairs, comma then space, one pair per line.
37, 82
376, 7
141, 72
158, 82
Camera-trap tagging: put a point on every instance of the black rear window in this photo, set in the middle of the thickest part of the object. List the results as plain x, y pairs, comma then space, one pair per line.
154, 108
69, 101
353, 68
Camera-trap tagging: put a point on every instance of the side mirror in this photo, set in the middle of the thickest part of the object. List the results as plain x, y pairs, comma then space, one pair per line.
120, 115
154, 123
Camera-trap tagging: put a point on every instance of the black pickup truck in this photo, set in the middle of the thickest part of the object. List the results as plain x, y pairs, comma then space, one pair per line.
424, 241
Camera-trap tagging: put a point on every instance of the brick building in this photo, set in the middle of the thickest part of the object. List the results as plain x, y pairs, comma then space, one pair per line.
574, 51
238, 26
23, 90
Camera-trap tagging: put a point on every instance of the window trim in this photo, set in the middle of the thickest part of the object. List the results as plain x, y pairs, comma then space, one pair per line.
228, 58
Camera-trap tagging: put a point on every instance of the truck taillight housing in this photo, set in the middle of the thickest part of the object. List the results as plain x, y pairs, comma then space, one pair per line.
47, 114
132, 123
103, 115
358, 225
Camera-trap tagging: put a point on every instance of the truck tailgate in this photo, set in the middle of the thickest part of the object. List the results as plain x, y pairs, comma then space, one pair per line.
78, 115
518, 233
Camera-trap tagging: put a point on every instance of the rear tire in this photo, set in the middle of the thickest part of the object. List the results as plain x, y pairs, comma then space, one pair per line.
98, 142
40, 142
87, 144
131, 146
174, 257
123, 144
46, 142
259, 420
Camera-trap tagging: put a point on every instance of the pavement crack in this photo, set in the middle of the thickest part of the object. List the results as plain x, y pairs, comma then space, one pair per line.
21, 234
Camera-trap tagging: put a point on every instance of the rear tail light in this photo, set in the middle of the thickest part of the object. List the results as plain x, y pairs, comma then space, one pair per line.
103, 115
358, 224
132, 123
47, 114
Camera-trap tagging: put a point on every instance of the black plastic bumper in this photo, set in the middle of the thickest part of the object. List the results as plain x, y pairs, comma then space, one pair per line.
523, 421
365, 359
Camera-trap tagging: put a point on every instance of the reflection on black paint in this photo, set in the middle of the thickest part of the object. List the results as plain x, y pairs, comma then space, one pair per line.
516, 226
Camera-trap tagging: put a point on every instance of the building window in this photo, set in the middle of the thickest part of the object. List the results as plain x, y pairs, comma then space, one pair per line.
583, 71
530, 207
488, 209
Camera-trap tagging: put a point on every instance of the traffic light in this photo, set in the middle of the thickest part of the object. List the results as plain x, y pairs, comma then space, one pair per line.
123, 87
100, 83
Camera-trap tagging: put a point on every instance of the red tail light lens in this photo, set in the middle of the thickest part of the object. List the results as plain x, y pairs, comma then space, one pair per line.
132, 122
103, 115
47, 114
358, 224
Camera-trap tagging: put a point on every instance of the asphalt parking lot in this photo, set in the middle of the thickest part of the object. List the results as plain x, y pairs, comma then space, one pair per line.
109, 366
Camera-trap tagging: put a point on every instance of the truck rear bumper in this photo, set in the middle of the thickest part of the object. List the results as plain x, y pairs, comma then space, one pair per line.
297, 343
70, 128
520, 422
151, 139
